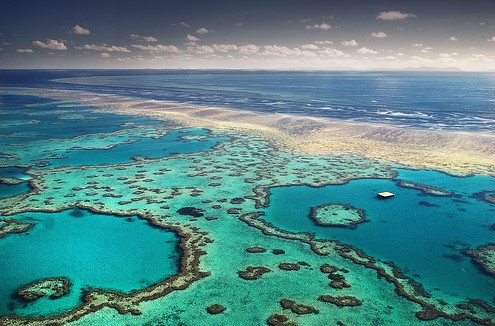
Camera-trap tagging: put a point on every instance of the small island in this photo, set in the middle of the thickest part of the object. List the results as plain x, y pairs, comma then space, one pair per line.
337, 215
55, 287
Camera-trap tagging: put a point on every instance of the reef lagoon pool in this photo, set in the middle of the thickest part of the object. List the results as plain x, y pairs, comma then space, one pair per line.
88, 249
423, 234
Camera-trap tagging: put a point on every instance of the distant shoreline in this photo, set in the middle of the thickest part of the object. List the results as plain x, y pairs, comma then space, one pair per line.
456, 152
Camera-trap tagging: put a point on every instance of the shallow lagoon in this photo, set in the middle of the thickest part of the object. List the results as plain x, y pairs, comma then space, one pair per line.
422, 234
91, 250
170, 144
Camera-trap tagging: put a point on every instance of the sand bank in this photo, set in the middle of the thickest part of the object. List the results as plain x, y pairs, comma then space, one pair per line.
457, 152
450, 151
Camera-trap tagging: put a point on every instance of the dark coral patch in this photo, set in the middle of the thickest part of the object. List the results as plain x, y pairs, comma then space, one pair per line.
237, 200
253, 272
279, 320
297, 308
289, 266
57, 286
326, 268
215, 309
341, 301
255, 250
191, 211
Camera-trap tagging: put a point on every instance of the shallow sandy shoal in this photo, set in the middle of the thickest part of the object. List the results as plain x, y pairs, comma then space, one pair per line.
456, 152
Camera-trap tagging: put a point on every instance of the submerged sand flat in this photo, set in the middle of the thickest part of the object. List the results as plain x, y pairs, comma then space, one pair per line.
457, 152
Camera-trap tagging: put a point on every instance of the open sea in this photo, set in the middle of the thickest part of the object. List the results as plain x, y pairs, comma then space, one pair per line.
453, 101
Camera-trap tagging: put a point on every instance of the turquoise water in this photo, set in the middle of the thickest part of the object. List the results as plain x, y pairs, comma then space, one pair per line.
164, 146
91, 250
422, 234
423, 240
8, 190
30, 118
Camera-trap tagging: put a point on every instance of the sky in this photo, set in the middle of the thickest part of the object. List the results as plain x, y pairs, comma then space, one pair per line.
268, 34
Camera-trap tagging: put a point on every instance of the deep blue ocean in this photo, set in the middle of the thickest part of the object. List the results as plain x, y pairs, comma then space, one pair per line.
432, 100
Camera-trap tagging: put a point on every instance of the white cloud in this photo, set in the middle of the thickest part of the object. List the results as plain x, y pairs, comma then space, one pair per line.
310, 47
202, 30
365, 50
183, 24
105, 55
276, 50
104, 47
491, 39
427, 49
51, 44
331, 52
478, 56
323, 42
453, 38
80, 30
157, 48
203, 49
322, 26
238, 24
350, 43
224, 47
191, 38
393, 15
143, 38
379, 34
417, 45
24, 50
248, 49
283, 51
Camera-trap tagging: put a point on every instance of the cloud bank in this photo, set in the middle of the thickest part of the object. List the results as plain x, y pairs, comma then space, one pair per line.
394, 15
51, 44
379, 35
322, 26
143, 38
80, 30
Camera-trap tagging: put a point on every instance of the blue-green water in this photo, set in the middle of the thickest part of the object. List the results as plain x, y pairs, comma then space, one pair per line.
423, 240
164, 146
8, 190
421, 234
91, 250
30, 118
86, 248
